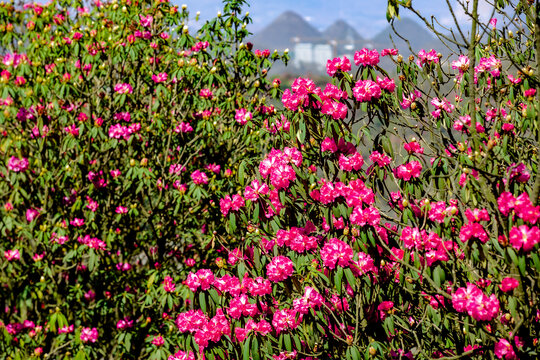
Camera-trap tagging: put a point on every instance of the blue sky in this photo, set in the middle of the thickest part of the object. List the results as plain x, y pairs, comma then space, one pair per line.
368, 17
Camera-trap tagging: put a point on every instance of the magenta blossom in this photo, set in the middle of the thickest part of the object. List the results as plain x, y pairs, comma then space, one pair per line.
17, 164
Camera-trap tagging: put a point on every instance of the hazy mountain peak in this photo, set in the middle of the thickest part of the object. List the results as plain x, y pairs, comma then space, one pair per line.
340, 29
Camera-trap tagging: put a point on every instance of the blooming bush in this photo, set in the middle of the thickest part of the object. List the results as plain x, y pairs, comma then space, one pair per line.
159, 208
397, 219
118, 140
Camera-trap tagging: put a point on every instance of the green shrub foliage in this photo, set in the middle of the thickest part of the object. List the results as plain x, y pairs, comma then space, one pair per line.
120, 131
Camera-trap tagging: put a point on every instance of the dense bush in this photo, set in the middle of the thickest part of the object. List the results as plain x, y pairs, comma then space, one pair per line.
120, 132
382, 216
397, 219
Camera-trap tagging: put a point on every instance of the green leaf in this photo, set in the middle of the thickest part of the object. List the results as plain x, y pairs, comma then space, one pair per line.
287, 341
202, 301
337, 279
245, 350
350, 277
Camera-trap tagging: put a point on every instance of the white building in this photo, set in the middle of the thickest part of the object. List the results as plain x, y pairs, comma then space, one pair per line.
307, 53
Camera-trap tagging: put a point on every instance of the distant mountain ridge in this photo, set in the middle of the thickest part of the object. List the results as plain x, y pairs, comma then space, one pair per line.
281, 33
290, 27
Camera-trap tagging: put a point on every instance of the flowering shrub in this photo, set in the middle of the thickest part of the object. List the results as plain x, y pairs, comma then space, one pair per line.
118, 140
382, 216
397, 219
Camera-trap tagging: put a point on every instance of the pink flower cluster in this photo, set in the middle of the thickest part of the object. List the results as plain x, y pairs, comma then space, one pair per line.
299, 96
242, 116
203, 278
240, 306
255, 190
119, 131
180, 355
491, 64
168, 284
204, 329
427, 58
298, 239
199, 177
441, 105
472, 300
312, 299
338, 64
408, 171
336, 252
521, 205
227, 203
12, 255
366, 57
366, 90
279, 269
89, 335
439, 210
277, 165
160, 78
91, 242
263, 327
380, 159
431, 244
355, 194
285, 319
17, 164
350, 163
123, 88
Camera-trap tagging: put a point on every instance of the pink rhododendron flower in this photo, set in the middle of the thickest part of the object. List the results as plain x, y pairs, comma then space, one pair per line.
473, 231
12, 255
17, 164
508, 284
146, 21
413, 147
329, 144
462, 64
66, 329
380, 159
529, 92
31, 214
89, 335
168, 284
159, 78
337, 64
476, 303
255, 190
386, 84
353, 162
279, 269
180, 355
389, 52
336, 252
366, 57
504, 350
158, 341
240, 306
524, 237
427, 58
242, 116
199, 177
366, 90
363, 265
206, 94
408, 171
285, 319
123, 88
335, 109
